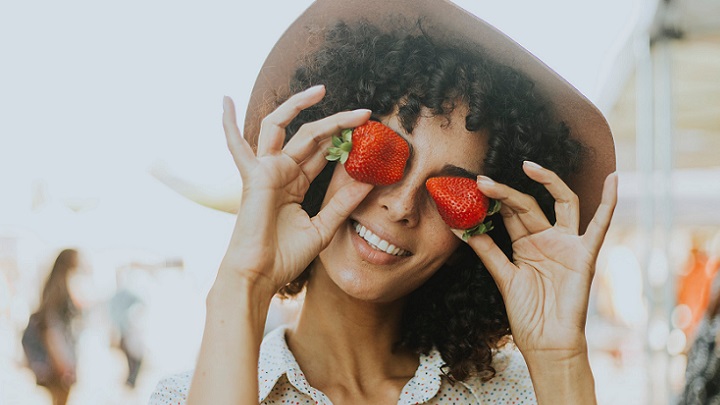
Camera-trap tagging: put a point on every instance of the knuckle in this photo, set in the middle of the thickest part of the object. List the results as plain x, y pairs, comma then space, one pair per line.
313, 131
523, 210
296, 108
269, 121
337, 125
317, 138
308, 127
527, 201
569, 199
293, 103
304, 130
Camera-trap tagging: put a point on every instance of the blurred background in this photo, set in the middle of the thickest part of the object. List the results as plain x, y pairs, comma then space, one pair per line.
111, 145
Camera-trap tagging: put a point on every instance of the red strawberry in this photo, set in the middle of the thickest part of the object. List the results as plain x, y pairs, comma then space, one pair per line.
461, 204
372, 153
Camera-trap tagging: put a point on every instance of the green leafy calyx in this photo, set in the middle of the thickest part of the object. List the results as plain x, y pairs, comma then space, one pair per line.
342, 145
485, 226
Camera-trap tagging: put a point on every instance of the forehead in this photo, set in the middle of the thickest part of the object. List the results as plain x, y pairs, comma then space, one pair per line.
445, 139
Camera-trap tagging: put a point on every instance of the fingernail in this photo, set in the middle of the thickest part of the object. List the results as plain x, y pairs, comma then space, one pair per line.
532, 164
315, 89
486, 181
362, 111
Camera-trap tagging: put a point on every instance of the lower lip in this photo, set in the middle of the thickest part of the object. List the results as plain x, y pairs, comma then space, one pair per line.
370, 255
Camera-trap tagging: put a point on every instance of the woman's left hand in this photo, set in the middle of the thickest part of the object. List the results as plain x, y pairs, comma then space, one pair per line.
546, 288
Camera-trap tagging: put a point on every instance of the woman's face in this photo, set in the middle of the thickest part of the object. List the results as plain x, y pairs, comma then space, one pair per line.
403, 215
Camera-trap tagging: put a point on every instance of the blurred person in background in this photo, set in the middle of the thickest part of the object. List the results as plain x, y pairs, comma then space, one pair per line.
127, 308
702, 376
49, 340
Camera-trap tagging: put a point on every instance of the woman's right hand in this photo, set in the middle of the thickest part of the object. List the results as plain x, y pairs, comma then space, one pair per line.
274, 239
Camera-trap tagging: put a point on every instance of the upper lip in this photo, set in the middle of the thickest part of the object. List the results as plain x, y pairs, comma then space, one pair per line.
381, 234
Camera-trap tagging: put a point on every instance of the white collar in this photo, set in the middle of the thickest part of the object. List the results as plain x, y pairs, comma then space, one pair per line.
277, 360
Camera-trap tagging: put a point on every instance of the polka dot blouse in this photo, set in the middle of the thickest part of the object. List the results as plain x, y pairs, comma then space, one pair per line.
282, 382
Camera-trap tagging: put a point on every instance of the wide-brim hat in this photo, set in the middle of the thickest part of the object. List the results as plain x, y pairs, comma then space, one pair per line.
445, 21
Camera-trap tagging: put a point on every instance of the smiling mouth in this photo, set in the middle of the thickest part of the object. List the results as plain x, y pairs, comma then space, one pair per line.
378, 244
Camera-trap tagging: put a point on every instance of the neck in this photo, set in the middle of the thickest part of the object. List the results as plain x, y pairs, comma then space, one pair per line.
339, 338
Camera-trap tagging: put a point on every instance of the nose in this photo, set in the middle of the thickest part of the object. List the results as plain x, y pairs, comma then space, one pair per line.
401, 201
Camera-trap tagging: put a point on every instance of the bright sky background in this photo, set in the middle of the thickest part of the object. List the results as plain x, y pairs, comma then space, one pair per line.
93, 93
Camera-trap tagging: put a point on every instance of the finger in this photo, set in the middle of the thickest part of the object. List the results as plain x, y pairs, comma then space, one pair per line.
315, 163
499, 266
598, 227
272, 128
240, 150
338, 209
310, 135
527, 209
514, 226
567, 204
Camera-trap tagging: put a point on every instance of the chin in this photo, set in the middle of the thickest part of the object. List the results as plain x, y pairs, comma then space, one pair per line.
351, 267
362, 287
363, 283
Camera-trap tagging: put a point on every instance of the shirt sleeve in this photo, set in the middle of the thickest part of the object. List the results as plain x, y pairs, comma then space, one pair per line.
172, 390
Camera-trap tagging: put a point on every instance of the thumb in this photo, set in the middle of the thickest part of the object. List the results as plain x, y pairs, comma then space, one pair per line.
338, 209
500, 268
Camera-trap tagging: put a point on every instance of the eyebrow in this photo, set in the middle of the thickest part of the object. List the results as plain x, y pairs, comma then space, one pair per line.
456, 171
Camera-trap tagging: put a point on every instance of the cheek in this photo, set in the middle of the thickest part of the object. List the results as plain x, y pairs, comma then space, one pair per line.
422, 271
446, 244
438, 241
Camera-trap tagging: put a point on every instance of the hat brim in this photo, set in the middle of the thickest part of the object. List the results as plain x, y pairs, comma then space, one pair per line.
447, 21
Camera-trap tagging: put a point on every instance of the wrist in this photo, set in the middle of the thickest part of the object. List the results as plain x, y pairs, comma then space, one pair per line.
562, 376
252, 280
577, 351
238, 290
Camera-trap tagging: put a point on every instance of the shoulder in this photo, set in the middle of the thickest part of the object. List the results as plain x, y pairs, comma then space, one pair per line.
172, 389
511, 384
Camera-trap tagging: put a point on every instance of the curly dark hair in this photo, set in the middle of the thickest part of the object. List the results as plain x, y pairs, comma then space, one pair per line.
459, 310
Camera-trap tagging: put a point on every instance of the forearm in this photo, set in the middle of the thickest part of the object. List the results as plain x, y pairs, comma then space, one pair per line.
226, 370
562, 378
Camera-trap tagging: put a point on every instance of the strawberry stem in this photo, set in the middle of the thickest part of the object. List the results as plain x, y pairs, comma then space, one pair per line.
341, 147
477, 230
485, 227
494, 208
347, 135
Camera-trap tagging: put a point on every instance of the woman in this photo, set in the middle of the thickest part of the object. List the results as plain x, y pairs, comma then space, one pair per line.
426, 323
49, 340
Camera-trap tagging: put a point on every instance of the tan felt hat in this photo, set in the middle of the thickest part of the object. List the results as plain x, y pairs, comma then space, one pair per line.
445, 20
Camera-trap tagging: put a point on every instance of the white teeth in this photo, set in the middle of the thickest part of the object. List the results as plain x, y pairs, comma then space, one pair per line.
377, 243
